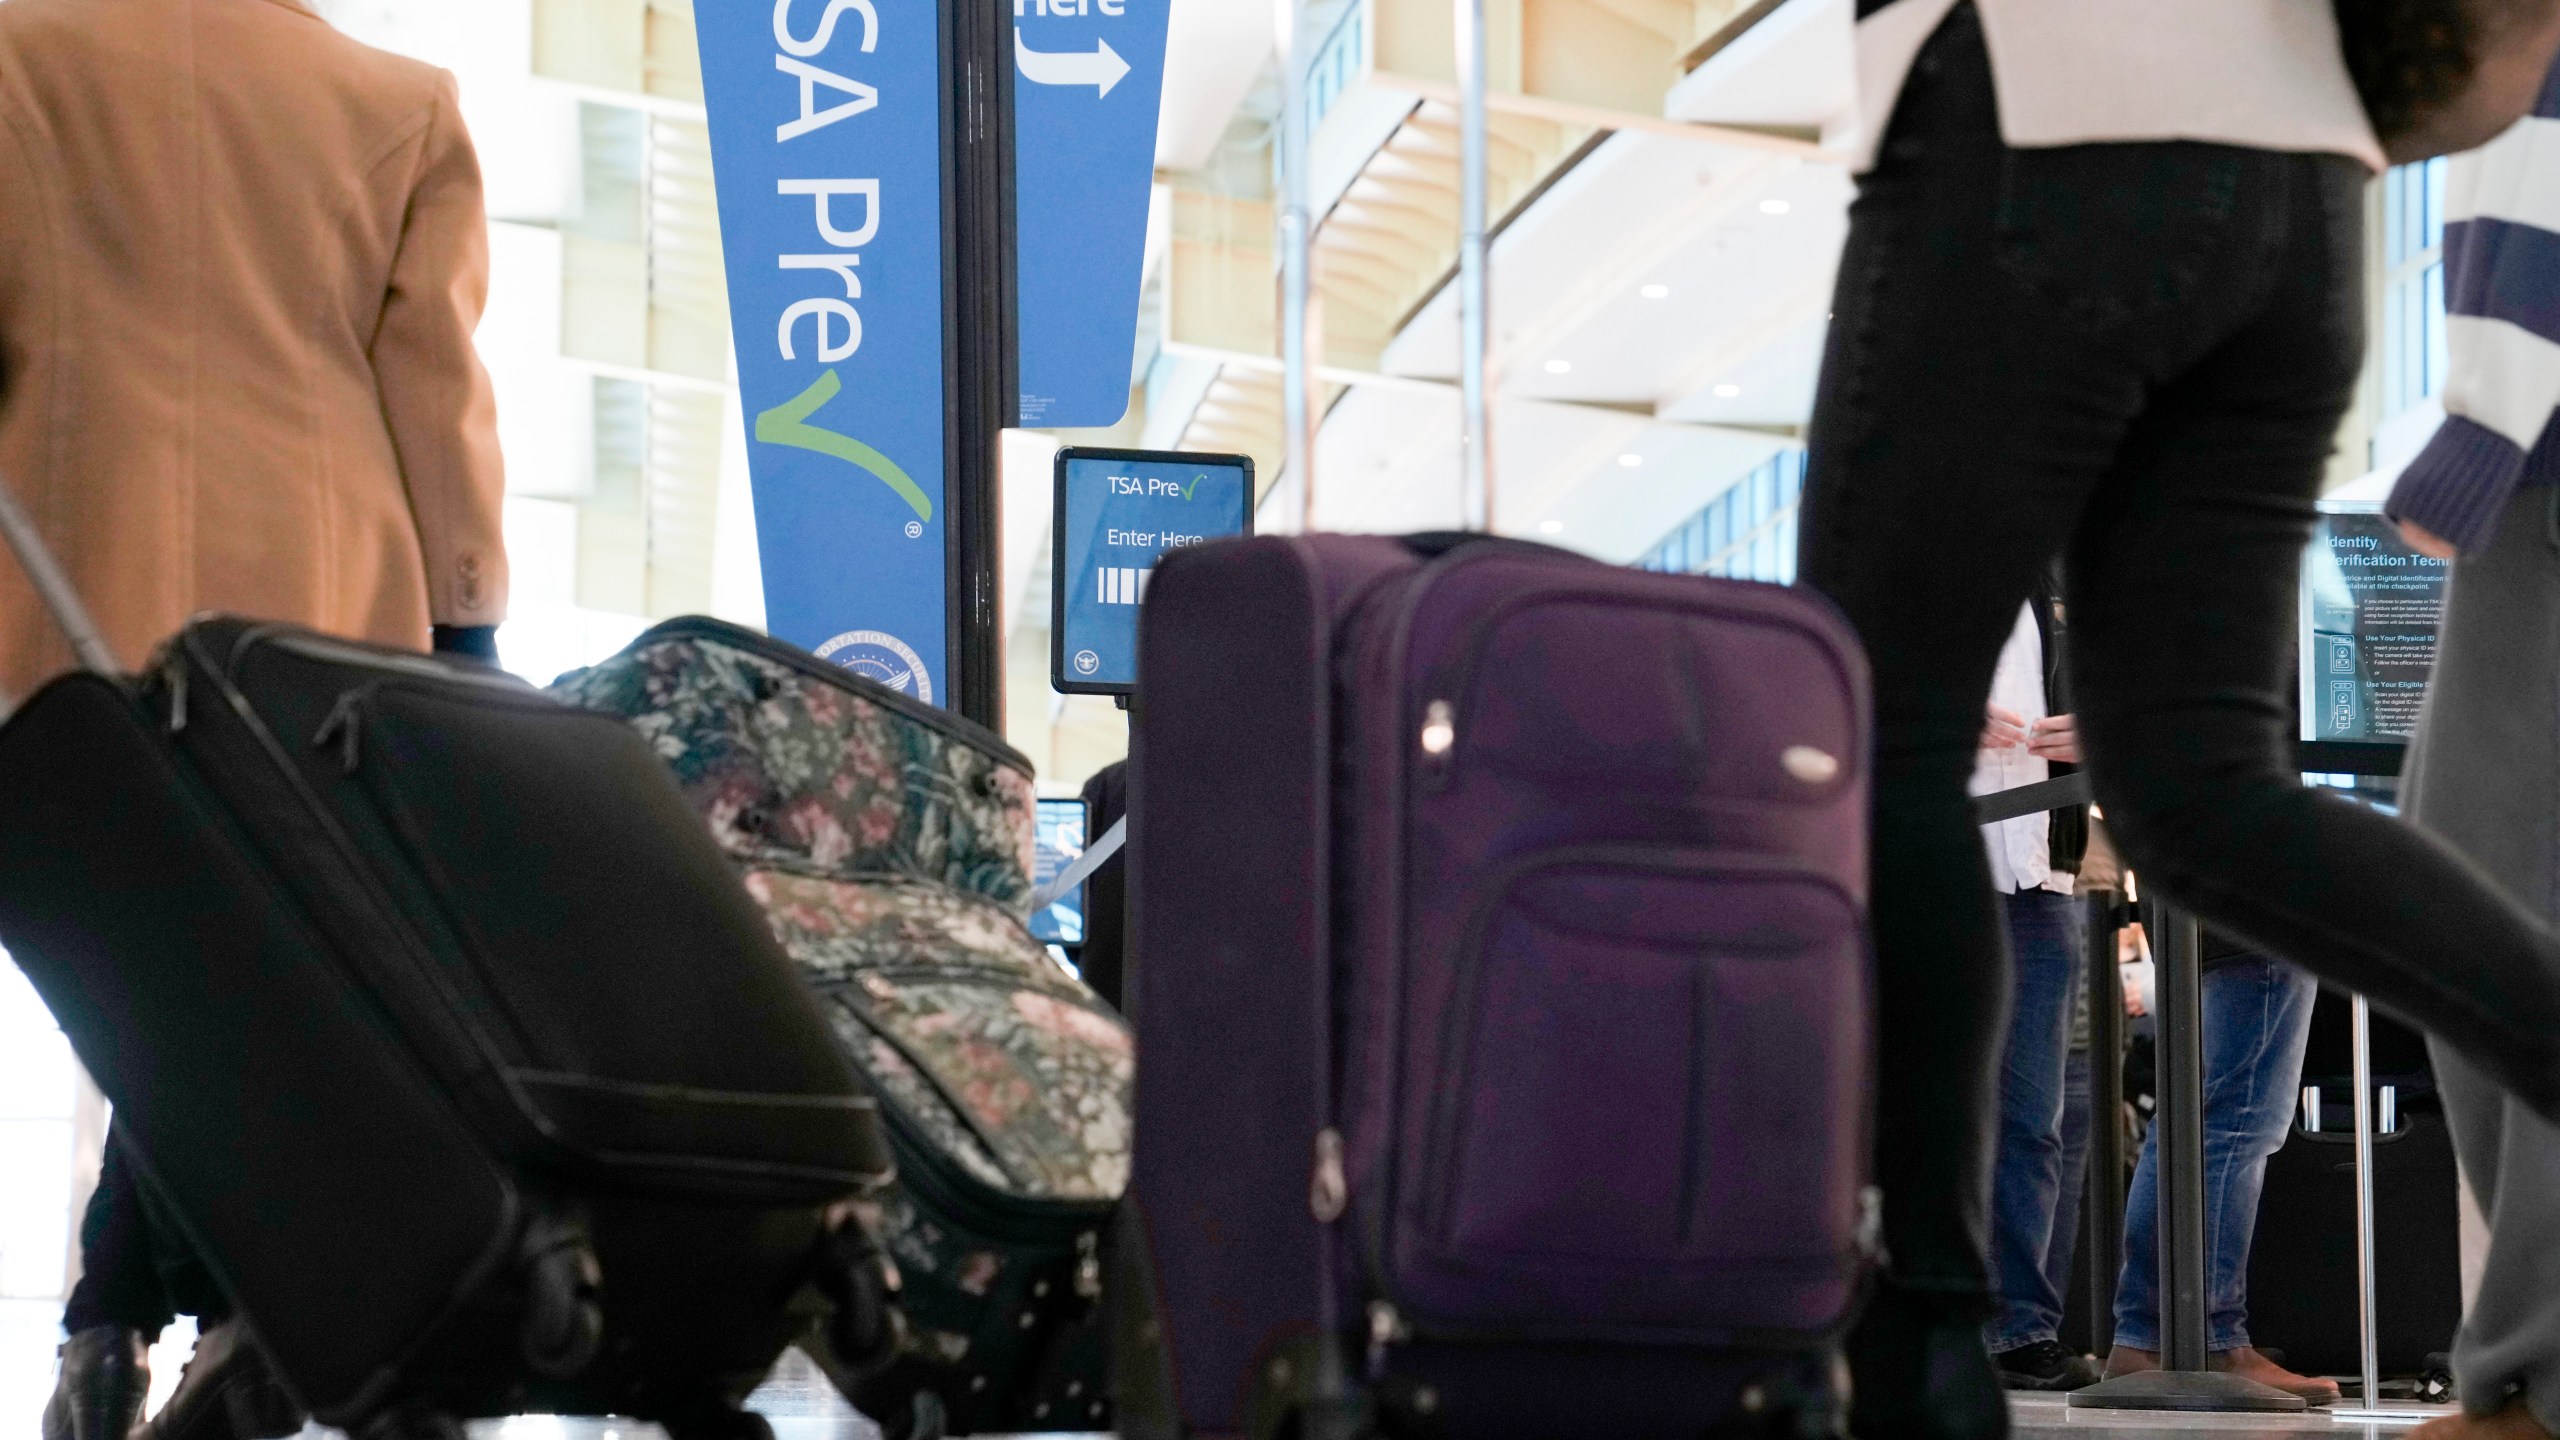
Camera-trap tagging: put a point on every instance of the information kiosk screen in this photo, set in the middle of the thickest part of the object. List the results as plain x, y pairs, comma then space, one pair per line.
1060, 843
2370, 613
1118, 512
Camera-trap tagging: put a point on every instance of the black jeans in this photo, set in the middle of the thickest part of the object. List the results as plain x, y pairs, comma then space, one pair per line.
2134, 356
135, 1269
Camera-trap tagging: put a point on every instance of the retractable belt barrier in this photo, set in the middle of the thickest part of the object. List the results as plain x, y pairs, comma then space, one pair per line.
2319, 757
1095, 856
2183, 1382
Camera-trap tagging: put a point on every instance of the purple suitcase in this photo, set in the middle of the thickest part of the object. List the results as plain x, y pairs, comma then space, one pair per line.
1503, 997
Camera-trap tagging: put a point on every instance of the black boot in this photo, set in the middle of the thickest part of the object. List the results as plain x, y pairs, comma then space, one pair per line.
105, 1373
1922, 1372
227, 1392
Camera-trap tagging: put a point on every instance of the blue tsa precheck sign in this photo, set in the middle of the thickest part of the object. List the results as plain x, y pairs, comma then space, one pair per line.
1088, 81
1118, 512
826, 147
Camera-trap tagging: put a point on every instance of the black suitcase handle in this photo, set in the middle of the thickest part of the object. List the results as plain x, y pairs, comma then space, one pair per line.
53, 587
1432, 544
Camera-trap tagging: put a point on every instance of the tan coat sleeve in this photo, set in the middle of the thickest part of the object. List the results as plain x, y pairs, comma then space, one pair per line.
436, 397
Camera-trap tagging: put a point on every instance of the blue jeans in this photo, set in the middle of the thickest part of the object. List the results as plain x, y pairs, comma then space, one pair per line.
2257, 1018
2074, 1173
2027, 1179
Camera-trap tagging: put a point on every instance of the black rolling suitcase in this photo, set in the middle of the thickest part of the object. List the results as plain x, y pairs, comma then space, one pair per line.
2302, 1266
2302, 1263
455, 1046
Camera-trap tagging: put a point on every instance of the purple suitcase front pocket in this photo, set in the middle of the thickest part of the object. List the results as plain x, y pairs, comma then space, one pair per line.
1645, 1108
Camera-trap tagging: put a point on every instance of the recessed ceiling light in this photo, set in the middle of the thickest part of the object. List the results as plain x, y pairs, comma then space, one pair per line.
1727, 392
1654, 292
1774, 207
1631, 460
1550, 527
1559, 367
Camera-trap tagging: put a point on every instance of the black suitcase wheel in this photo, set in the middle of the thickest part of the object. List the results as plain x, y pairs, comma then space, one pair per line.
1810, 1401
406, 1422
2435, 1384
866, 1330
719, 1422
925, 1420
563, 1317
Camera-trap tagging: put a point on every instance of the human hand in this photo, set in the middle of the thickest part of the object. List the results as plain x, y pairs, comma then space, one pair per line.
2003, 728
2133, 1009
2425, 541
2055, 737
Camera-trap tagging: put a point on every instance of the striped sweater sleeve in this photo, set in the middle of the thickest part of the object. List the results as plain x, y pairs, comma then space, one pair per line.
2502, 327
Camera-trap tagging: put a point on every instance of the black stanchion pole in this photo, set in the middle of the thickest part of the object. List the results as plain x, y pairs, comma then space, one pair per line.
2105, 1205
2179, 1159
2182, 1382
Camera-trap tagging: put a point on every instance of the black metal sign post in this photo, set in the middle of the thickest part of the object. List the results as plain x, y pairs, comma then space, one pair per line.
979, 357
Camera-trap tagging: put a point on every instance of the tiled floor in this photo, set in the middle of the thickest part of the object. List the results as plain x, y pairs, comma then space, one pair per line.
803, 1407
2046, 1417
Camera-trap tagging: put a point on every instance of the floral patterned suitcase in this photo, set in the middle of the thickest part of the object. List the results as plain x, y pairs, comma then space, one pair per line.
890, 844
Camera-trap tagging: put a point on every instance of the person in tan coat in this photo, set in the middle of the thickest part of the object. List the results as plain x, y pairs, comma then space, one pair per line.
241, 260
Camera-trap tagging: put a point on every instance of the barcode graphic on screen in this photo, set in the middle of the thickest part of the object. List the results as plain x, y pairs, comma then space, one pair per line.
1121, 585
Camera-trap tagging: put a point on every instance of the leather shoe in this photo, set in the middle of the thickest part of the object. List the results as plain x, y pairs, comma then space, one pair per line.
227, 1392
2514, 1422
98, 1394
2244, 1361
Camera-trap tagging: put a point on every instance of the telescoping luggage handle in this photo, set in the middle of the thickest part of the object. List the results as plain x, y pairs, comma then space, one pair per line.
53, 587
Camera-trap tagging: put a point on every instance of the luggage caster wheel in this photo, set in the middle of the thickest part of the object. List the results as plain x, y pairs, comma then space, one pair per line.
2435, 1386
724, 1423
866, 1330
925, 1420
408, 1424
563, 1319
1809, 1403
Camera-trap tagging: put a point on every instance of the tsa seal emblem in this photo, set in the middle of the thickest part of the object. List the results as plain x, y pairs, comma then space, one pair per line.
879, 655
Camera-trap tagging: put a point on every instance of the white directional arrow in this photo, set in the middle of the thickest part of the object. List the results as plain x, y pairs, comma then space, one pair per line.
1101, 68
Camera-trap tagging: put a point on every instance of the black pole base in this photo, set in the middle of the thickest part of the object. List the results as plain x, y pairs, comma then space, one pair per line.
2184, 1390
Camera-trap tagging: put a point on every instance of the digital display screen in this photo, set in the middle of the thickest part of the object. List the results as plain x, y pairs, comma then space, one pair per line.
1059, 842
1118, 512
2371, 611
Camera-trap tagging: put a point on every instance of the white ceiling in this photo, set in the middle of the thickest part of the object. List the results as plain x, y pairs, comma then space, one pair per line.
1214, 52
1662, 288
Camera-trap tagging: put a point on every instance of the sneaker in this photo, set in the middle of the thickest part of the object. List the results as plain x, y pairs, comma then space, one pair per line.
2044, 1365
106, 1372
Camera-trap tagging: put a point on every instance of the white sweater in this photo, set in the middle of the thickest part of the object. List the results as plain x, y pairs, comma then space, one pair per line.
2267, 74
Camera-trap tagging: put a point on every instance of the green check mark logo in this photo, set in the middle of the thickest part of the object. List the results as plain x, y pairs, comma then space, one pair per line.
788, 424
1194, 485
